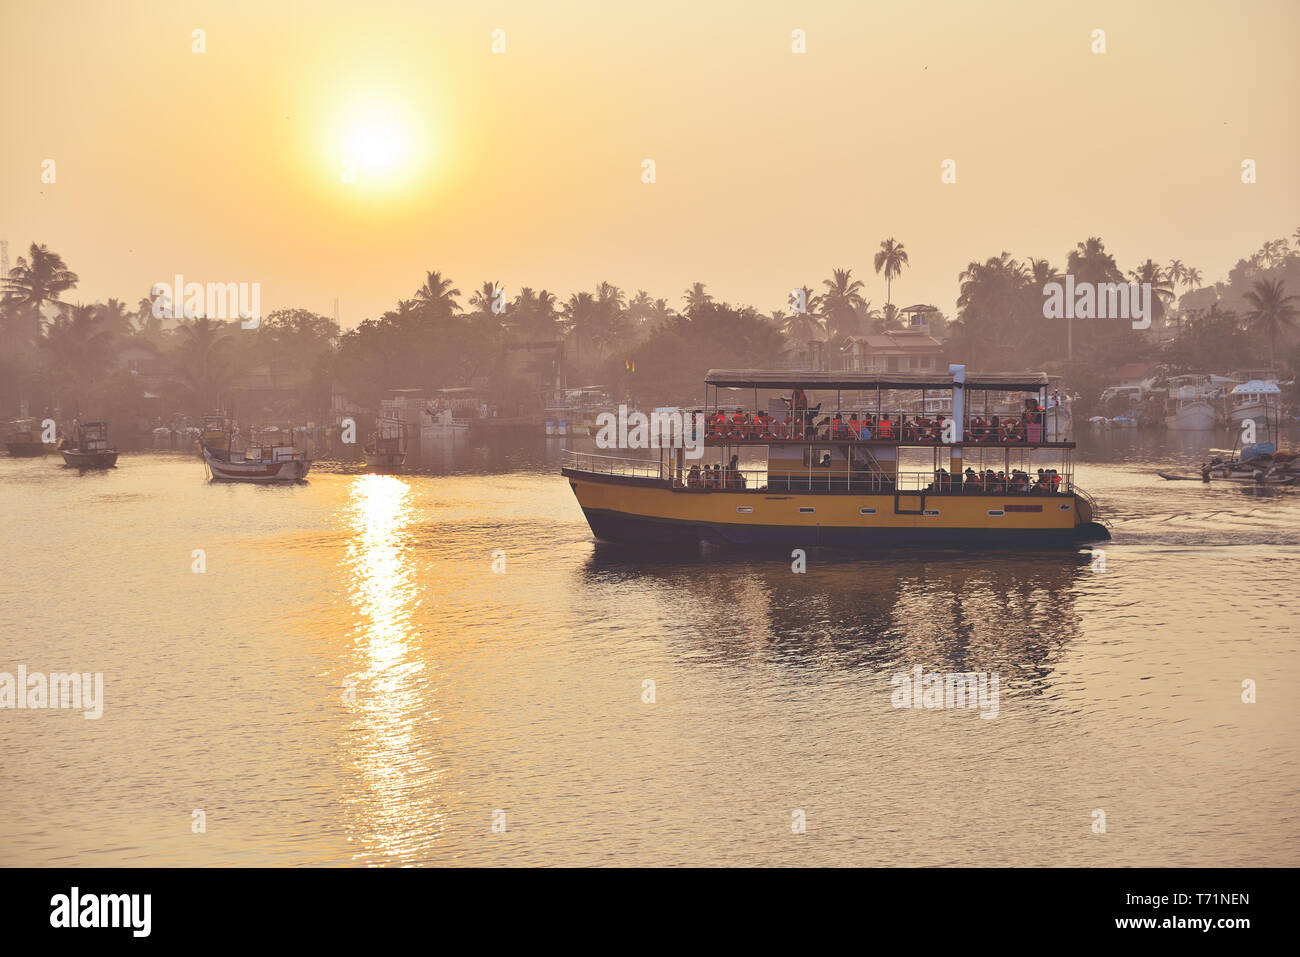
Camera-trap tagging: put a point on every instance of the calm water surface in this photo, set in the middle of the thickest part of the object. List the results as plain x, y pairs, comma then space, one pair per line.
350, 683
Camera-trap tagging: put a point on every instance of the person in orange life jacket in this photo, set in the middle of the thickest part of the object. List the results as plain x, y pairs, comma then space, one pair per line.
738, 425
886, 430
1056, 481
855, 426
838, 429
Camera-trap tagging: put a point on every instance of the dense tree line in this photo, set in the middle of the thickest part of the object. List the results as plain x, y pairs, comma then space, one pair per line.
62, 357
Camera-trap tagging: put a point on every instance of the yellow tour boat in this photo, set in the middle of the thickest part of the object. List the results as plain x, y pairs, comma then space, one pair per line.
862, 471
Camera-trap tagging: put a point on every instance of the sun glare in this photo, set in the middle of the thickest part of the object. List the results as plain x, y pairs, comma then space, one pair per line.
374, 144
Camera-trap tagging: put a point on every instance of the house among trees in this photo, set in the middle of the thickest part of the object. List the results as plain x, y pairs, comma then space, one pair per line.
902, 350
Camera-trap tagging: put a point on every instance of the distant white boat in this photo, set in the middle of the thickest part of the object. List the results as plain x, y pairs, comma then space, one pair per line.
1258, 399
1192, 410
439, 424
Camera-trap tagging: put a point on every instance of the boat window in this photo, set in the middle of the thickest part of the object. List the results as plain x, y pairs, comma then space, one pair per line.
817, 458
806, 511
744, 509
931, 511
867, 511
996, 512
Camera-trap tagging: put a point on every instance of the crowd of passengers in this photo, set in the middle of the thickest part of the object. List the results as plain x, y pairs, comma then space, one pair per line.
1048, 482
865, 427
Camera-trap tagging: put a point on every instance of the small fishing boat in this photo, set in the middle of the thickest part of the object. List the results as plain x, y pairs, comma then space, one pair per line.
1258, 464
386, 449
215, 432
90, 448
259, 463
23, 439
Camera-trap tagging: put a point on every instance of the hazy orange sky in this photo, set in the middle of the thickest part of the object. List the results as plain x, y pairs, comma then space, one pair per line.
525, 167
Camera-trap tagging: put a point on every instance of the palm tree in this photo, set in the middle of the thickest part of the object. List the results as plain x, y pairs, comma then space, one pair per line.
78, 351
1162, 290
484, 296
1274, 252
202, 362
36, 283
115, 318
695, 297
841, 302
1192, 278
1176, 273
611, 324
1271, 310
437, 297
581, 314
891, 259
1089, 262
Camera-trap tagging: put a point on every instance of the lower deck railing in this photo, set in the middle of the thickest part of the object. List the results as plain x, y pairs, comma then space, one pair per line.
819, 479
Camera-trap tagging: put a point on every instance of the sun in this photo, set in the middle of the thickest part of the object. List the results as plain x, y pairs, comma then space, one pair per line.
374, 144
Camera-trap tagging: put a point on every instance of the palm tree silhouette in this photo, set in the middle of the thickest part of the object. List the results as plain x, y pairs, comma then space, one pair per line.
78, 349
202, 362
1271, 310
841, 303
891, 259
695, 297
437, 297
484, 296
37, 282
1192, 278
1177, 272
1162, 290
581, 313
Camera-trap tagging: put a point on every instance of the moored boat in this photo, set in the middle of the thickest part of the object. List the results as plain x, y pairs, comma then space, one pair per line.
386, 449
843, 478
23, 439
1257, 400
89, 448
262, 463
215, 432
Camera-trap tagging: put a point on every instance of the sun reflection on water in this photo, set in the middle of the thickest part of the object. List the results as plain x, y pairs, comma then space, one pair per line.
395, 809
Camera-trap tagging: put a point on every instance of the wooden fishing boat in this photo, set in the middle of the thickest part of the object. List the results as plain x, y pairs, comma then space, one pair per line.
23, 440
89, 448
261, 463
386, 449
215, 432
860, 474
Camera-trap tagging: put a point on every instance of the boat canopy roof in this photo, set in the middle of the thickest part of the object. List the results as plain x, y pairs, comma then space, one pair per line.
1257, 387
793, 379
